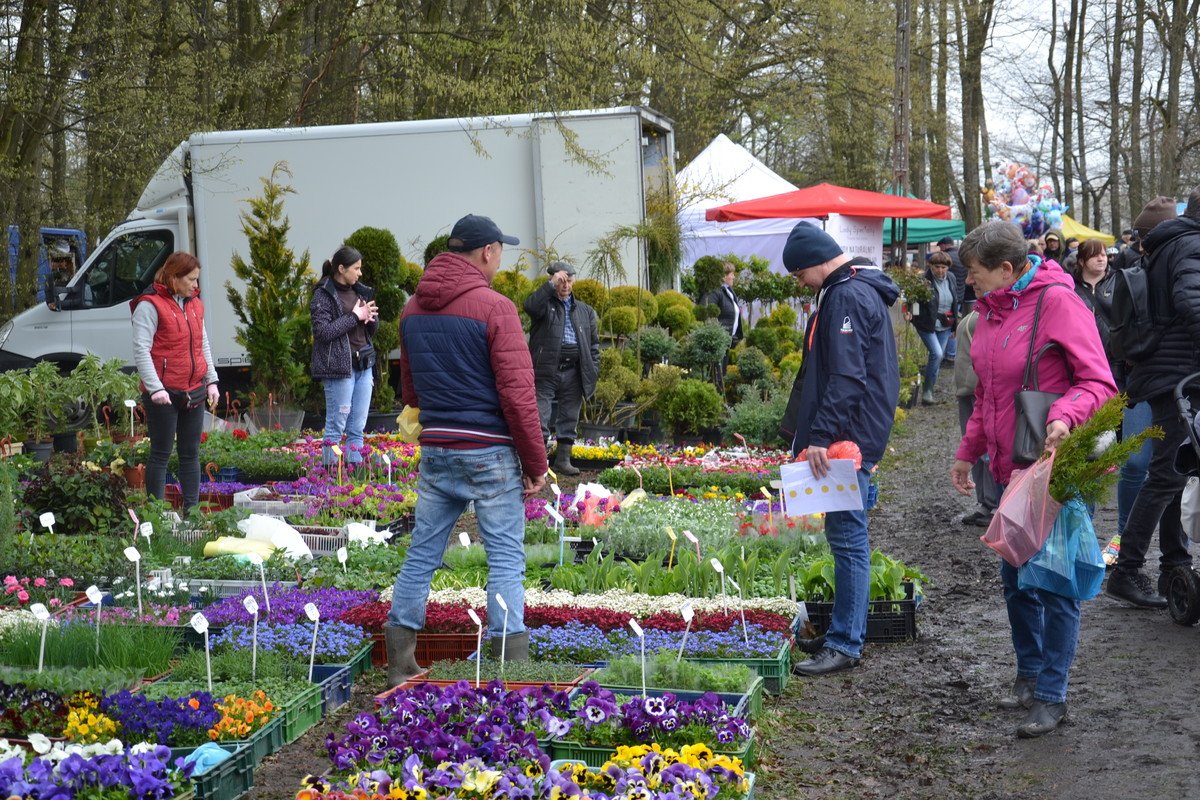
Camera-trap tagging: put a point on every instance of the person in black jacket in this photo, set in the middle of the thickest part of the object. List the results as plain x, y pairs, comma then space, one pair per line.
846, 390
1172, 264
965, 297
564, 343
729, 313
344, 319
1094, 281
936, 319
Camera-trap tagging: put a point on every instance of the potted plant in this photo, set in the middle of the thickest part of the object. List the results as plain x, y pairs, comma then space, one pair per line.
691, 407
95, 383
38, 400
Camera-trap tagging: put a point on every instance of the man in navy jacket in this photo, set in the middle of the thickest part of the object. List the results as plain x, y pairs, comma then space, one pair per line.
847, 390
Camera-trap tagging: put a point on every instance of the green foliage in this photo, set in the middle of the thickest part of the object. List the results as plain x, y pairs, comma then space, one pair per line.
621, 320
8, 511
87, 558
752, 364
592, 292
653, 344
913, 286
693, 406
709, 271
634, 296
1080, 471
229, 664
122, 647
31, 400
68, 680
639, 531
372, 567
385, 270
97, 382
516, 671
83, 499
275, 327
758, 419
436, 246
704, 347
664, 672
679, 319
783, 316
670, 298
513, 285
789, 365
705, 312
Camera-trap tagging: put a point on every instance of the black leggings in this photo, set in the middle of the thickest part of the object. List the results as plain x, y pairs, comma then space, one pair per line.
171, 425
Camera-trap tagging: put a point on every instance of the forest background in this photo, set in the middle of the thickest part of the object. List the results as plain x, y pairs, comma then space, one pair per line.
1099, 97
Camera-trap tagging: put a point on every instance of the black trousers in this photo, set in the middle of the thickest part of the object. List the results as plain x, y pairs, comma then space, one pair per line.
172, 426
565, 387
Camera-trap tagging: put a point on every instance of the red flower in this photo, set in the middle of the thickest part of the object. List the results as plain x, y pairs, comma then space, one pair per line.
240, 434
203, 437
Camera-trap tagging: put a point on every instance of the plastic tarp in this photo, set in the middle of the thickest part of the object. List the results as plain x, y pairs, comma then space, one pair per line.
923, 231
825, 199
1071, 227
722, 173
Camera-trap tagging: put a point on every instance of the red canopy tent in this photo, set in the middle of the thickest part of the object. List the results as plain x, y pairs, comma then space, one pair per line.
825, 199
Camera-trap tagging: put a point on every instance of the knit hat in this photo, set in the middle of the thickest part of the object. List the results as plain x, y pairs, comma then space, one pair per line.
808, 246
1160, 209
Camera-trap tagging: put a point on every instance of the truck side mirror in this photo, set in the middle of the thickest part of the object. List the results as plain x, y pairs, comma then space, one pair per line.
68, 299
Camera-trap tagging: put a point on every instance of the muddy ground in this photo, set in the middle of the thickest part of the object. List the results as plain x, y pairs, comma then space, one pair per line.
919, 720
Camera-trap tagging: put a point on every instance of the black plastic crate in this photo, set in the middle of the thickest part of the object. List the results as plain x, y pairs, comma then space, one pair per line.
888, 621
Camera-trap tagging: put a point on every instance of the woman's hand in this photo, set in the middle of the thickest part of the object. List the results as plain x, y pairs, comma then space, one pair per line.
213, 395
1056, 431
365, 311
161, 398
960, 476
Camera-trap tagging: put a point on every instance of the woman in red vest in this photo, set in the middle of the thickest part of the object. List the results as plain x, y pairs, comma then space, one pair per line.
170, 349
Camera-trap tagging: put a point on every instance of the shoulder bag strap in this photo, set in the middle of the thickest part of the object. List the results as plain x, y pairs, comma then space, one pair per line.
1030, 379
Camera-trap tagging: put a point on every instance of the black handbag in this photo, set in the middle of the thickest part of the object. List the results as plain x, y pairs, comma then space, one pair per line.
1032, 405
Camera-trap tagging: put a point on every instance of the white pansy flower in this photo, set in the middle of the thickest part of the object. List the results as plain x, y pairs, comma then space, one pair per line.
40, 743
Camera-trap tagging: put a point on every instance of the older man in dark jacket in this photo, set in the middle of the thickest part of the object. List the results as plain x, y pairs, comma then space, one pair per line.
464, 363
1172, 264
564, 342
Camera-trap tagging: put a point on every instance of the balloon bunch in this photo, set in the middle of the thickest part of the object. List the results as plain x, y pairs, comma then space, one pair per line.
1012, 194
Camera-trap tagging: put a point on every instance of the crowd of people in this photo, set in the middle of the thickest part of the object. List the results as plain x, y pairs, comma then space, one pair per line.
492, 400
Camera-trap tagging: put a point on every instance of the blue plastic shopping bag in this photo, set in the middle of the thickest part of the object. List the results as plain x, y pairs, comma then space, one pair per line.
1069, 563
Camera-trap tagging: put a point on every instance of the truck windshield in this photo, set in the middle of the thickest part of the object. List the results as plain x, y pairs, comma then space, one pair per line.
124, 268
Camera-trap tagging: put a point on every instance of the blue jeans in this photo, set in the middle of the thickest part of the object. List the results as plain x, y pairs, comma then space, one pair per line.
846, 532
1045, 631
937, 343
1133, 471
951, 347
347, 401
491, 476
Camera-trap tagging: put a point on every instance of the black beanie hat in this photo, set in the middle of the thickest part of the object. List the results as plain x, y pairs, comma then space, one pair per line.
808, 246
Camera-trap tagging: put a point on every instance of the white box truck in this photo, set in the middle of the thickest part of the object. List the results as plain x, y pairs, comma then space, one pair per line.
562, 180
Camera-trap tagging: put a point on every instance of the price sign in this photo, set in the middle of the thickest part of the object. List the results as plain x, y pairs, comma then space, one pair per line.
94, 595
251, 605
199, 622
312, 612
687, 612
146, 529
132, 554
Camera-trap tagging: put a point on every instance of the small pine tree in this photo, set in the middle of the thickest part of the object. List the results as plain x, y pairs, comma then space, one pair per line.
273, 309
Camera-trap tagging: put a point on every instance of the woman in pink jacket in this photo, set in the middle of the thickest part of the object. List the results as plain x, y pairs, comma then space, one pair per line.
1045, 626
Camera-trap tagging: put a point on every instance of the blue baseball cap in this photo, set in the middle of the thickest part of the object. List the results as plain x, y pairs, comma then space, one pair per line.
473, 231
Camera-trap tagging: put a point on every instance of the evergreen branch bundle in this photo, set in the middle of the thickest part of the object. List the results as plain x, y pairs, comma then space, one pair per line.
1087, 462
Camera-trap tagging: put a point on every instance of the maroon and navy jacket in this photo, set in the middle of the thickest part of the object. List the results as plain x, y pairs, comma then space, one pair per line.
464, 363
178, 347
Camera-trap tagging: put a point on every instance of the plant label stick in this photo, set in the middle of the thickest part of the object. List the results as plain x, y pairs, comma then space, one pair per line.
387, 462
257, 560
251, 606
133, 516
504, 634
770, 506
42, 615
792, 587
313, 613
463, 539
342, 556
691, 537
637, 630
131, 405
133, 555
337, 451
742, 609
687, 613
638, 472
478, 642
671, 535
720, 568
47, 520
199, 624
95, 598
146, 529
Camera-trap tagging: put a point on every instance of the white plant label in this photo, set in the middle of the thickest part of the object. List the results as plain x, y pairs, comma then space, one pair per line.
776, 484
802, 612
554, 488
500, 601
312, 612
199, 622
554, 515
255, 559
40, 612
687, 612
464, 539
474, 617
691, 537
94, 595
251, 605
47, 520
387, 460
343, 555
132, 554
637, 629
717, 565
734, 583
131, 403
336, 450
146, 529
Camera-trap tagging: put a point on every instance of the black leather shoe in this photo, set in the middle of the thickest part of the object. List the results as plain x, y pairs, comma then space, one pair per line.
811, 646
978, 517
1043, 717
825, 662
1021, 696
1134, 587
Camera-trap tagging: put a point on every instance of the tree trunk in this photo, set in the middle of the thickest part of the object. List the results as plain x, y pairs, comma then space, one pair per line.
1068, 106
1114, 116
1056, 102
939, 152
1137, 195
974, 26
1085, 210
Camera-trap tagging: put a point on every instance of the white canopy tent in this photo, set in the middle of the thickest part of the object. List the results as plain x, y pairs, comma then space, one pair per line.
725, 172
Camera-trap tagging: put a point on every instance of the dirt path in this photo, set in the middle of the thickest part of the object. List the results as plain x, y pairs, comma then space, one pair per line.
918, 720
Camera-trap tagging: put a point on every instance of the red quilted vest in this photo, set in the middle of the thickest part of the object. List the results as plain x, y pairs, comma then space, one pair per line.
178, 347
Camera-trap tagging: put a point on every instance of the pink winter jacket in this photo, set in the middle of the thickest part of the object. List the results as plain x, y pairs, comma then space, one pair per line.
999, 351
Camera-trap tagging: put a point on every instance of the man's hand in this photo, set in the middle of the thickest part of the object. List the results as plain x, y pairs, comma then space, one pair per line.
562, 284
960, 476
818, 459
533, 485
1056, 431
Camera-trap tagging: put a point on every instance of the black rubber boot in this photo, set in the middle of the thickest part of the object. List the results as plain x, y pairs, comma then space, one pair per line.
401, 654
516, 647
1022, 694
562, 459
1043, 717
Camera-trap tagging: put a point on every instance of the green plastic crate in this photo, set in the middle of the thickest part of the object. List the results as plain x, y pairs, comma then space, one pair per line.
593, 756
360, 662
775, 671
746, 704
266, 740
301, 713
228, 780
557, 764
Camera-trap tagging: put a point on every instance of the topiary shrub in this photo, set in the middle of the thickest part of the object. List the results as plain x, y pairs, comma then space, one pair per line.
636, 297
752, 365
709, 271
692, 406
703, 313
436, 246
704, 347
654, 344
784, 316
756, 419
765, 339
621, 320
385, 270
789, 365
678, 319
513, 285
592, 292
670, 297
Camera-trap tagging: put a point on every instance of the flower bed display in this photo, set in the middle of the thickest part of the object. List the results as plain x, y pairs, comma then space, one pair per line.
108, 770
337, 642
287, 605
